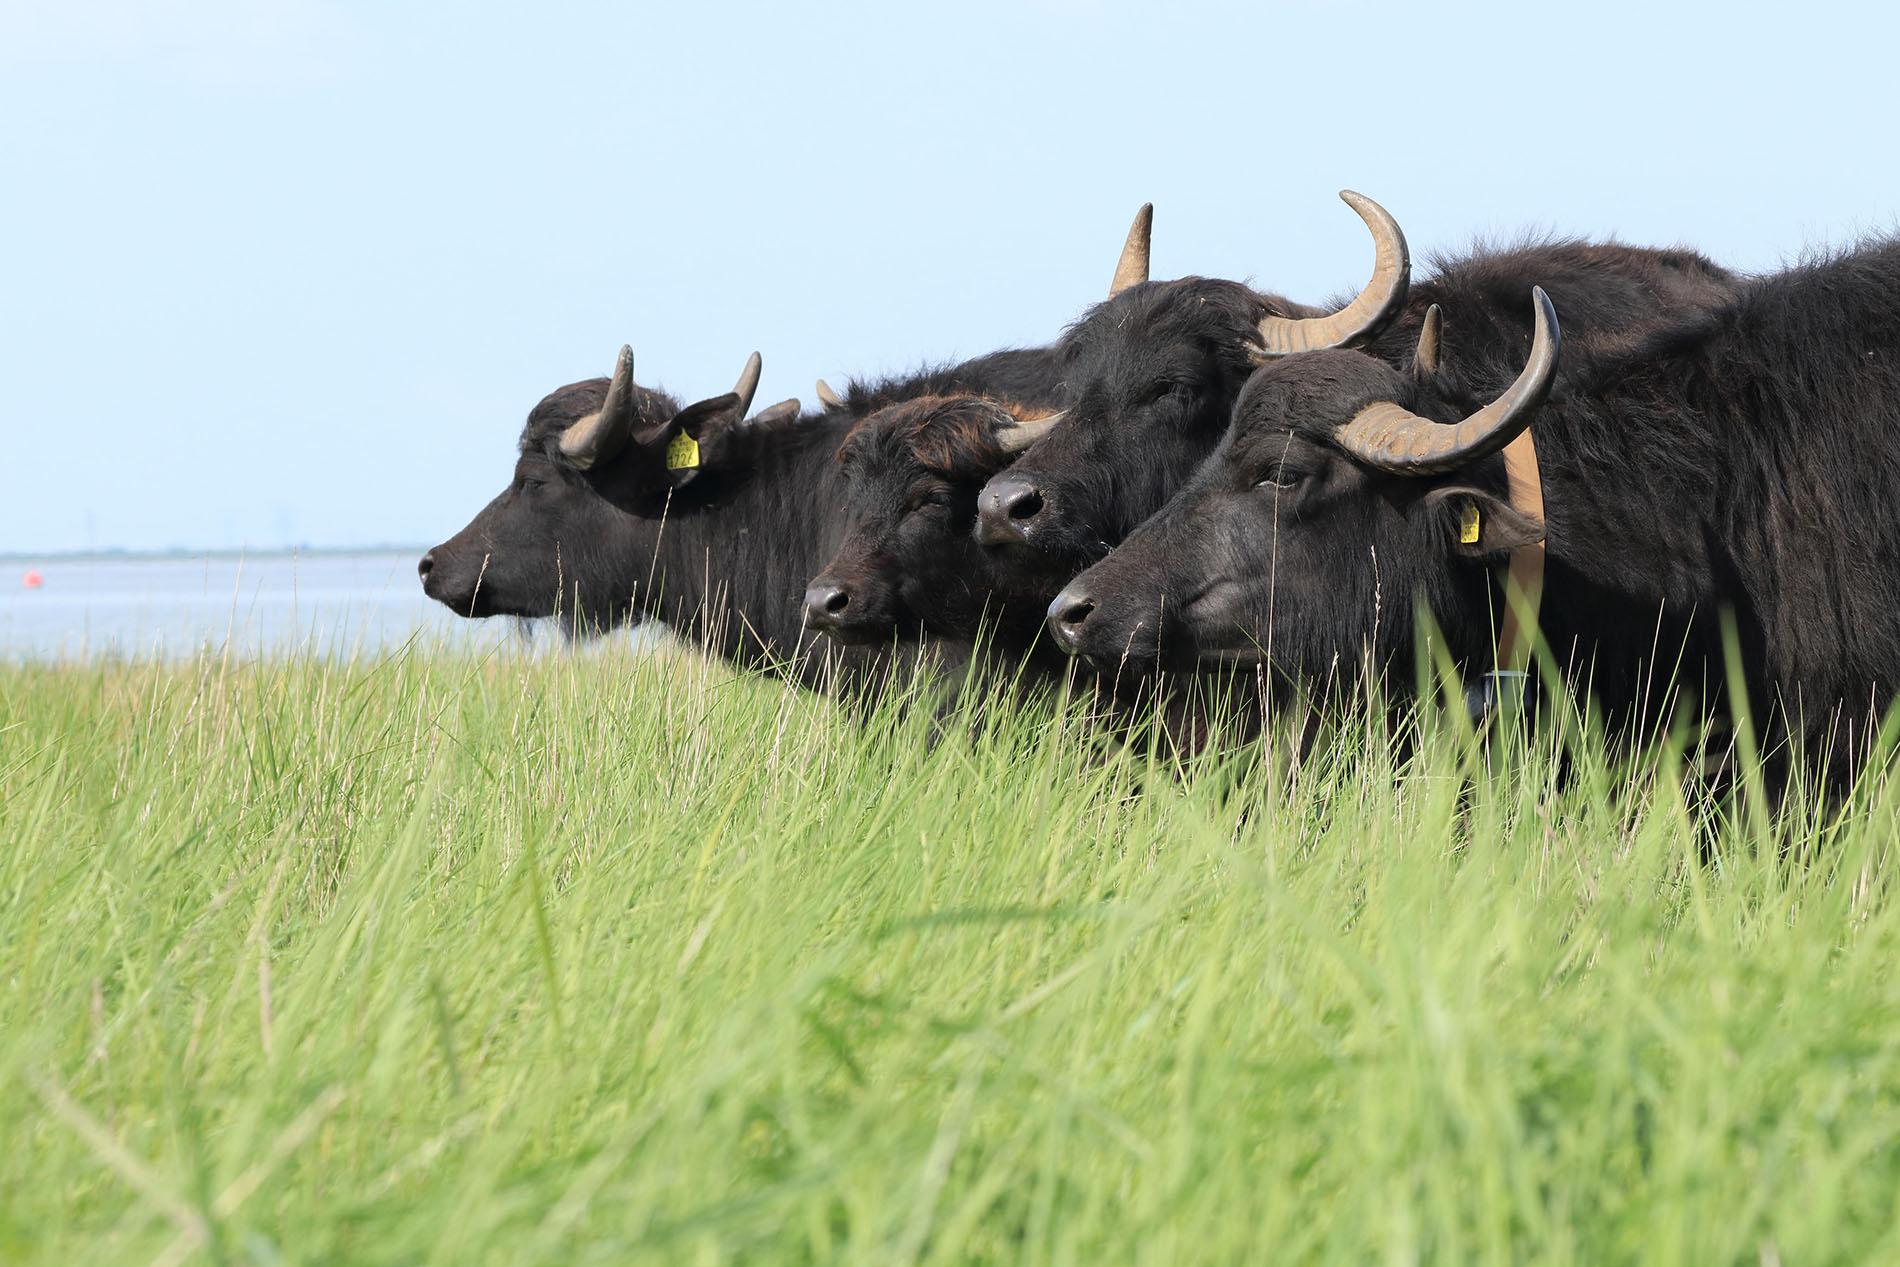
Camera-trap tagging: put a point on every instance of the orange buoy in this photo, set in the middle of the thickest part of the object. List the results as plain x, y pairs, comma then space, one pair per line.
32, 580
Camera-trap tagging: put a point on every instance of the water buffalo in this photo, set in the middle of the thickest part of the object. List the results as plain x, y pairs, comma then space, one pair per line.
1740, 463
907, 563
626, 507
1152, 373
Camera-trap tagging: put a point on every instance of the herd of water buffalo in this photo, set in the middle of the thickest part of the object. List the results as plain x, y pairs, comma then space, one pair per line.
1199, 476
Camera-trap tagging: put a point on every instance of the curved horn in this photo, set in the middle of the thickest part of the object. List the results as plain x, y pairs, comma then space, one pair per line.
1425, 360
1132, 268
597, 437
1369, 312
773, 415
828, 398
748, 385
1393, 439
1019, 437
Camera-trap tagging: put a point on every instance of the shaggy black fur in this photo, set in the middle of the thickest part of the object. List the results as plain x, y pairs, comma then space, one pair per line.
1738, 460
1152, 376
907, 563
1029, 375
722, 557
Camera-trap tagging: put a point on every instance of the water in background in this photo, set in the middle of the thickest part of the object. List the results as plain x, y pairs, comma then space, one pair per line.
177, 605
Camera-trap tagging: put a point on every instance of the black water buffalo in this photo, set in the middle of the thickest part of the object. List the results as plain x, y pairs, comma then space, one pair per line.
625, 507
907, 563
1152, 373
1742, 463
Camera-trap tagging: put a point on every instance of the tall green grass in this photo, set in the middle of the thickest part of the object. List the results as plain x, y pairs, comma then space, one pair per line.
605, 959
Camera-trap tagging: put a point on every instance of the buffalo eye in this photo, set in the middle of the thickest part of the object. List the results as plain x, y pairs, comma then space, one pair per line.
1280, 477
926, 499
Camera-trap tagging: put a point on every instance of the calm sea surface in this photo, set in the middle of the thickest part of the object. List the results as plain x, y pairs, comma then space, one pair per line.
176, 605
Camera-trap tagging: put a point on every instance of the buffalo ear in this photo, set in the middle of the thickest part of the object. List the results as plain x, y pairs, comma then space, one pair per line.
1481, 525
705, 433
695, 437
704, 419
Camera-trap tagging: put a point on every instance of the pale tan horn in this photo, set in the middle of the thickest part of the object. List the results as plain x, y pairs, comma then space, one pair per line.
1019, 437
1132, 268
828, 398
1395, 439
773, 415
597, 437
1368, 313
1430, 335
748, 385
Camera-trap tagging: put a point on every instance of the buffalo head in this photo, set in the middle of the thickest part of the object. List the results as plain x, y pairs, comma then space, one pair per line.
907, 563
1152, 375
598, 463
1346, 492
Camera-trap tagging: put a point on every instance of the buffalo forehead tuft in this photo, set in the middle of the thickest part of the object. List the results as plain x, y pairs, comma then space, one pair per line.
950, 436
1314, 393
1204, 311
564, 406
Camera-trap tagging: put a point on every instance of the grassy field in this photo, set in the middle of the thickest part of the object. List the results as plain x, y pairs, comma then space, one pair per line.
597, 959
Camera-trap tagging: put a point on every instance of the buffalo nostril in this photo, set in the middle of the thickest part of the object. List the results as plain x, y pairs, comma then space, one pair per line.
1074, 612
1066, 616
1008, 512
426, 566
825, 603
1024, 504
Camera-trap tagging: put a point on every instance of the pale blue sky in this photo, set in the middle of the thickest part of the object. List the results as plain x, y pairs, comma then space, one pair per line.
294, 270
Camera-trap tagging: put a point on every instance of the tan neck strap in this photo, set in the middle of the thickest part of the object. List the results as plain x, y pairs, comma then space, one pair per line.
1524, 587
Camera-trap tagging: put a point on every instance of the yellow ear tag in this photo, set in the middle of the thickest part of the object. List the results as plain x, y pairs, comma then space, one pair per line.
682, 453
1468, 525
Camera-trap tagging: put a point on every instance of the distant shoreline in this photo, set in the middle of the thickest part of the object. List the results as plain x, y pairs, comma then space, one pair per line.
142, 556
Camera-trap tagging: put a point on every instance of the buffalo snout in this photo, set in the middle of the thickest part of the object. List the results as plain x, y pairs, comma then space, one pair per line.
1099, 621
1068, 617
826, 603
437, 570
851, 608
452, 580
1008, 511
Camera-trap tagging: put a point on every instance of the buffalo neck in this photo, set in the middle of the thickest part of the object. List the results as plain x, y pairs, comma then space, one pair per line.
727, 561
1736, 468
